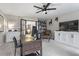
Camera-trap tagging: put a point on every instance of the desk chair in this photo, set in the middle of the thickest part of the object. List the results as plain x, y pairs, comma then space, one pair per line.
16, 45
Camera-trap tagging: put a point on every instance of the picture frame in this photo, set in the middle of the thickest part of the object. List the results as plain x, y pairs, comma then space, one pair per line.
1, 23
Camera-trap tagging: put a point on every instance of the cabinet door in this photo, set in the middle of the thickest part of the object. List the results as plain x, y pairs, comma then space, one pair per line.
63, 36
70, 38
57, 36
76, 39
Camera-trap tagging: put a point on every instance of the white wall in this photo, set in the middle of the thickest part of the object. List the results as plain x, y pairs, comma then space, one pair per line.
15, 20
29, 18
69, 16
66, 17
54, 26
2, 34
7, 18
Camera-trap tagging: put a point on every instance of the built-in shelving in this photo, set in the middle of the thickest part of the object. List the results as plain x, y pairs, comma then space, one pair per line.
42, 27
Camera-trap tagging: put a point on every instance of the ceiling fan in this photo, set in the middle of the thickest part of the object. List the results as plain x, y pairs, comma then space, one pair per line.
44, 8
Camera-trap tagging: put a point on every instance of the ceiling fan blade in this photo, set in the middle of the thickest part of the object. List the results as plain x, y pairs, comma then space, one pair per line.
37, 7
51, 9
47, 5
39, 11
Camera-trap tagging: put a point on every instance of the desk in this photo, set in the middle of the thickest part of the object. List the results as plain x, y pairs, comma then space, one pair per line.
31, 46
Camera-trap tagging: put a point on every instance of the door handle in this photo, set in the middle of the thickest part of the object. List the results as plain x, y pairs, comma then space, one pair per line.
59, 34
72, 36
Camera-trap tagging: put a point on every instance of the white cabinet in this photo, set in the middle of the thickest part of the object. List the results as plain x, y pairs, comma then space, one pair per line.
10, 35
76, 40
57, 36
63, 37
70, 38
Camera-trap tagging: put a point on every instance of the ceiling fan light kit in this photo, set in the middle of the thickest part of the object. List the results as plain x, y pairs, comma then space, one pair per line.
45, 12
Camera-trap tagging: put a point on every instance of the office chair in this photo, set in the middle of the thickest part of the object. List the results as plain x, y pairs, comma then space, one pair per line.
34, 31
16, 45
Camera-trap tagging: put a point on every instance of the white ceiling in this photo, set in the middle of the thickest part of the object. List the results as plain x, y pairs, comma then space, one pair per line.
27, 9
